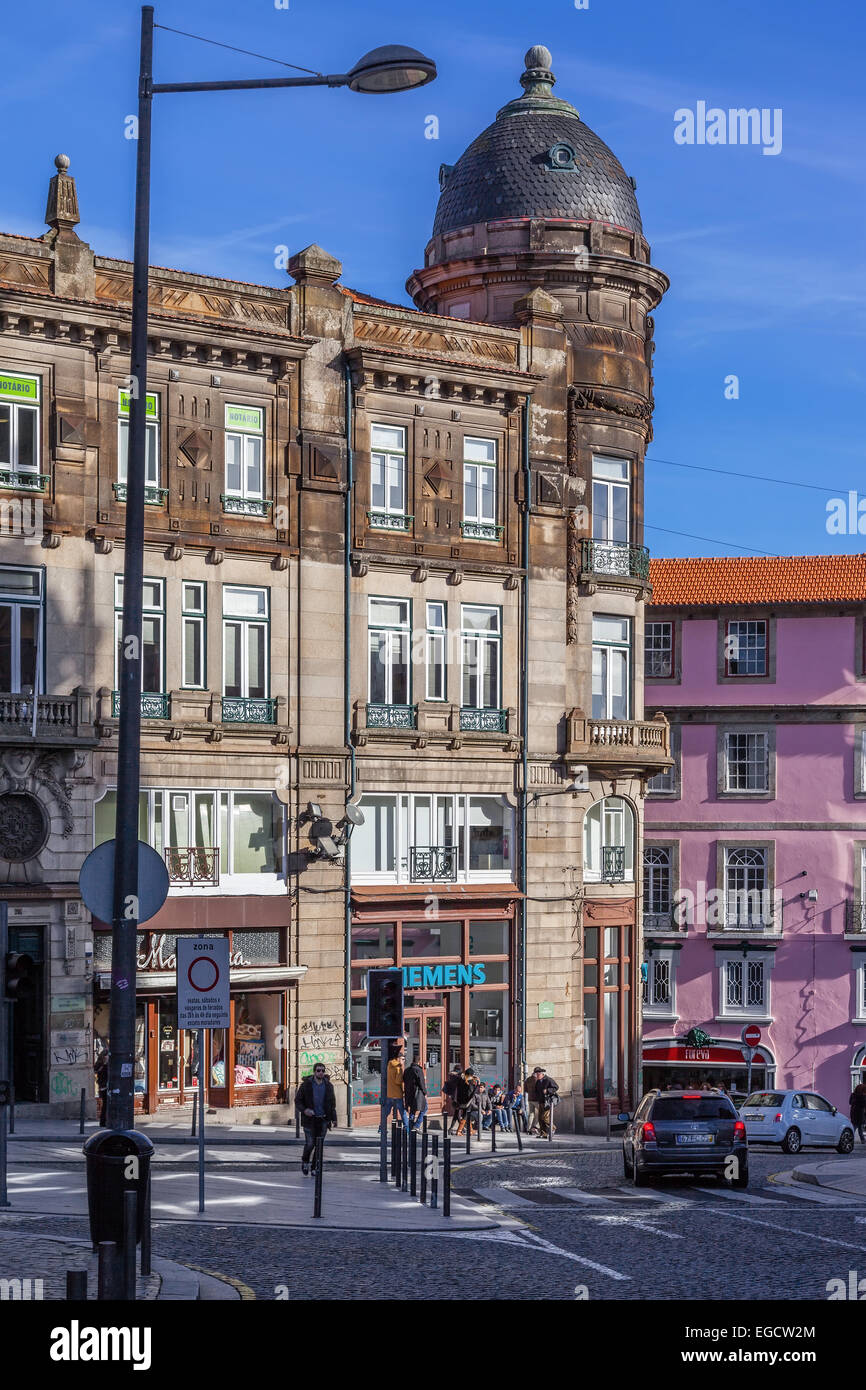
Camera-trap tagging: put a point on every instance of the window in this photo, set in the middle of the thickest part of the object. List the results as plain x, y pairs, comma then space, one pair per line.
21, 597
608, 842
245, 642
658, 986
479, 490
657, 888
667, 783
859, 1015
658, 651
744, 985
746, 889
610, 500
388, 477
480, 654
611, 648
151, 448
607, 1035
746, 762
435, 653
19, 430
207, 837
193, 623
433, 838
746, 648
245, 452
152, 634
388, 634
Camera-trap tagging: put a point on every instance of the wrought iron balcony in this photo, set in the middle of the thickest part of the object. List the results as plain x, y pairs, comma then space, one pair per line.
193, 866
483, 721
855, 916
616, 558
434, 864
154, 705
238, 709
23, 481
663, 923
613, 864
391, 716
245, 506
153, 496
390, 521
480, 530
750, 910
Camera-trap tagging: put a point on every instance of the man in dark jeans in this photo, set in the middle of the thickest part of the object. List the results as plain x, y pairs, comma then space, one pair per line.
546, 1091
318, 1106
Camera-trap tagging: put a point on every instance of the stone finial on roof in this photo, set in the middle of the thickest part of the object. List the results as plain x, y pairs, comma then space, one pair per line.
61, 212
538, 304
314, 266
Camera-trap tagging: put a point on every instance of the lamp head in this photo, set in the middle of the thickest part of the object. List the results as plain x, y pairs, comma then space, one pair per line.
393, 68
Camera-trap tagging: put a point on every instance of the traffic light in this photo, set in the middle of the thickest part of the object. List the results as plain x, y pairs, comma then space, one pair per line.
19, 975
384, 1003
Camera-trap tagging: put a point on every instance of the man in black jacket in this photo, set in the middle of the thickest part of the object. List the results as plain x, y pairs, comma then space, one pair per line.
546, 1090
415, 1093
318, 1106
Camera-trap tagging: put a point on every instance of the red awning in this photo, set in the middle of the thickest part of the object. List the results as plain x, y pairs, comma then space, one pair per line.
713, 1055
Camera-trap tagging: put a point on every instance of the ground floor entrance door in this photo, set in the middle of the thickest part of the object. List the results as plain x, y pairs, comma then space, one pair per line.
424, 1031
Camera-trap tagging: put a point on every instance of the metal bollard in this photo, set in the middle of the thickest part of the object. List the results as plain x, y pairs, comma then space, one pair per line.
297, 1123
550, 1122
468, 1132
393, 1150
130, 1213
383, 1147
517, 1131
446, 1176
404, 1162
493, 1131
320, 1163
110, 1274
76, 1285
413, 1163
422, 1196
146, 1231
81, 1112
194, 1113
434, 1180
12, 1107
397, 1154
608, 1122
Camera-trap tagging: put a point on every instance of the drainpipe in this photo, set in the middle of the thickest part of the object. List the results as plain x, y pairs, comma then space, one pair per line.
524, 728
347, 710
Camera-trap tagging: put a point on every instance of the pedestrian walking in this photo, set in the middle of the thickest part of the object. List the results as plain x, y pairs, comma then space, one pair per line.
415, 1092
100, 1070
464, 1097
545, 1091
449, 1088
532, 1099
858, 1110
317, 1103
394, 1085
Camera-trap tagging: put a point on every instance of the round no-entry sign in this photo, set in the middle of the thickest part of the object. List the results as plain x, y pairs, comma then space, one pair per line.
751, 1034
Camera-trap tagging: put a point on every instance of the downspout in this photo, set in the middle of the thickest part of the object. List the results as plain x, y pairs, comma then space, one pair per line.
524, 728
347, 710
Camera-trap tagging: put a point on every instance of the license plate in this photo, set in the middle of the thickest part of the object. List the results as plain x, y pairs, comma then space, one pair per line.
695, 1138
754, 1119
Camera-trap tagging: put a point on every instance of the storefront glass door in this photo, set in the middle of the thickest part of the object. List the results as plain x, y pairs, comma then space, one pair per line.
424, 1030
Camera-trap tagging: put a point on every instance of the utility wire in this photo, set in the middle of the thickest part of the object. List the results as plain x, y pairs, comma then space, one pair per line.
246, 51
752, 477
733, 545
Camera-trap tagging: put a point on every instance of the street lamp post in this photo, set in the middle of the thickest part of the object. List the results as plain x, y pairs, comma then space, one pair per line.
390, 69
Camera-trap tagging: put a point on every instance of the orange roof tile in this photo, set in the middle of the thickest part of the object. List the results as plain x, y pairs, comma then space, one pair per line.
759, 579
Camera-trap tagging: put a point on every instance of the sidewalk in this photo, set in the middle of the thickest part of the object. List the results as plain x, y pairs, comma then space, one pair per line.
843, 1172
33, 1269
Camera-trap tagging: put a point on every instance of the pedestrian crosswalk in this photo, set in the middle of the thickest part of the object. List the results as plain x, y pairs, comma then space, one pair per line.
546, 1197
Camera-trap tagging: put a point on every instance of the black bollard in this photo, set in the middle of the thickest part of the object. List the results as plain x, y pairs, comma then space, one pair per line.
393, 1150
145, 1231
398, 1154
297, 1122
469, 1131
493, 1131
383, 1148
110, 1274
413, 1163
320, 1163
434, 1177
404, 1162
130, 1214
517, 1130
12, 1108
81, 1111
422, 1196
194, 1113
76, 1285
446, 1176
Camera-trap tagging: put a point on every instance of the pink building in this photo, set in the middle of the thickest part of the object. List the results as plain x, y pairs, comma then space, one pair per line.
755, 840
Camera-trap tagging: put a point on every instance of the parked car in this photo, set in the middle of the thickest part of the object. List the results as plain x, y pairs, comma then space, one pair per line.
685, 1132
793, 1119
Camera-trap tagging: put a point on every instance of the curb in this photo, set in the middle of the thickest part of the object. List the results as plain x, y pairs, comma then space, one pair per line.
235, 1288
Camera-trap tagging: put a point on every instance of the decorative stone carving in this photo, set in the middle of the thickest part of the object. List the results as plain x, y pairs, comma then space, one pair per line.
591, 398
174, 552
24, 827
280, 562
27, 770
214, 556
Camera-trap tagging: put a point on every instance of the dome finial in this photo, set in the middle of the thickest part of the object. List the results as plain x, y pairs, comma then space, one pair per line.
538, 80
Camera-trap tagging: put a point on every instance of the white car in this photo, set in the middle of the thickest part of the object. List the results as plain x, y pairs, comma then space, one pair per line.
794, 1119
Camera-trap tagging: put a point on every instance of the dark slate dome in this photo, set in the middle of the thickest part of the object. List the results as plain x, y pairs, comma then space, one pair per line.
537, 159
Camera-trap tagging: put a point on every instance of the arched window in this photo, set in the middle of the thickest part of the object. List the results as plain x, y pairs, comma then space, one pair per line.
608, 842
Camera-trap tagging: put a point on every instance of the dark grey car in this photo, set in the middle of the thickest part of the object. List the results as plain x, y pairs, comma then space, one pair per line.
685, 1132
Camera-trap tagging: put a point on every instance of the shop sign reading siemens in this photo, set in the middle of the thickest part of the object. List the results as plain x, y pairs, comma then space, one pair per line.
443, 976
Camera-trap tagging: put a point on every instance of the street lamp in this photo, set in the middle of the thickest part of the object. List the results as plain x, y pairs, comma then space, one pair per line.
389, 69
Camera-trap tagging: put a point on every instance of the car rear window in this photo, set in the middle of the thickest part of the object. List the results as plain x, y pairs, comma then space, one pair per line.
763, 1100
702, 1108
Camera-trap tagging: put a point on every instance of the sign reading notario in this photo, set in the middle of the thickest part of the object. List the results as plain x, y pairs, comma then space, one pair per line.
243, 417
443, 976
19, 388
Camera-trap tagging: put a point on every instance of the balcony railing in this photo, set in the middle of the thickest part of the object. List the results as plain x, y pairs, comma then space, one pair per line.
153, 496
238, 709
245, 506
193, 866
480, 530
154, 704
58, 717
616, 558
391, 716
659, 923
613, 864
434, 864
483, 721
23, 482
855, 916
390, 521
645, 742
750, 910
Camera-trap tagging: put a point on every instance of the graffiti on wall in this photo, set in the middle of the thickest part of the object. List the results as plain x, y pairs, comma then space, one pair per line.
321, 1040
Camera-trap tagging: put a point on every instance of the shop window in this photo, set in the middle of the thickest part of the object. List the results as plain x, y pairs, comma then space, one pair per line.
373, 942
488, 938
21, 628
488, 1034
258, 1018
422, 939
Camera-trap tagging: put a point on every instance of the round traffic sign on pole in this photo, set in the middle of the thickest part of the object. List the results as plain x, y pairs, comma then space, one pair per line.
751, 1034
96, 882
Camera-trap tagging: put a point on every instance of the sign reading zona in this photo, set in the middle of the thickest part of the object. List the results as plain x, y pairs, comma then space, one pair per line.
203, 982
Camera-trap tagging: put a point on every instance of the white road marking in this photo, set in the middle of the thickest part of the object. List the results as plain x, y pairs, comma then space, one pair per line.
541, 1244
633, 1223
790, 1230
577, 1194
655, 1197
817, 1195
740, 1196
504, 1197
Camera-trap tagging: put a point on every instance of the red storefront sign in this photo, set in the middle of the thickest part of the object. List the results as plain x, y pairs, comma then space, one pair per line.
678, 1053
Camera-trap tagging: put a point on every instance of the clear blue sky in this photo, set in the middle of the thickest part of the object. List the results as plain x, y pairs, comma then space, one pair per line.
765, 253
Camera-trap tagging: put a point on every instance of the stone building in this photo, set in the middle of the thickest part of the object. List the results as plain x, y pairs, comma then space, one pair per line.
393, 562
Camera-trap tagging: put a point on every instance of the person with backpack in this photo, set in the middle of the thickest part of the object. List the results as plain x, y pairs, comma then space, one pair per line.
415, 1093
464, 1097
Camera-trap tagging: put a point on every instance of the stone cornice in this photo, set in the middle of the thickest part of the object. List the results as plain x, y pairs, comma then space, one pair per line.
410, 370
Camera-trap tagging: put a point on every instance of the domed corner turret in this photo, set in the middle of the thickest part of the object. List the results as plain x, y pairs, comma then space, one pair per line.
537, 196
